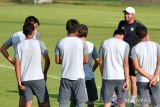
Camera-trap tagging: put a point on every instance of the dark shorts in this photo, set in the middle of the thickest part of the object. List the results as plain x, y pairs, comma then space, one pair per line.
76, 88
147, 94
91, 90
109, 87
131, 68
37, 88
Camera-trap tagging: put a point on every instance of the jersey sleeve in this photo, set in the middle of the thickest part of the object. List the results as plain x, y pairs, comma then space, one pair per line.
8, 43
85, 48
95, 53
120, 24
158, 51
57, 50
44, 50
127, 51
134, 53
17, 52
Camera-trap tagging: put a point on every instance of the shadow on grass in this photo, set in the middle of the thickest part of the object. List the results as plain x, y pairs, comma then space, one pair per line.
98, 103
12, 91
53, 95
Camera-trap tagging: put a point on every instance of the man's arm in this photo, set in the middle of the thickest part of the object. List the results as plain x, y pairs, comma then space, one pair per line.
101, 59
46, 65
101, 64
96, 63
140, 69
44, 53
157, 71
58, 59
4, 51
96, 59
85, 59
18, 74
85, 53
126, 73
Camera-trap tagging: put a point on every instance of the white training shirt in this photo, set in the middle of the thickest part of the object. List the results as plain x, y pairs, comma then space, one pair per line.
146, 53
71, 50
29, 53
92, 52
113, 51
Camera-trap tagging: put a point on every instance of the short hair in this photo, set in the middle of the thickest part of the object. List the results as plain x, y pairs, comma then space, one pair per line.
72, 25
32, 19
28, 28
119, 31
83, 30
141, 31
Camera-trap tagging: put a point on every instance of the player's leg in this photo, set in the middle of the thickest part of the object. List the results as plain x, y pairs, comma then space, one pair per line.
133, 80
121, 94
22, 101
91, 91
46, 100
80, 92
143, 93
41, 92
28, 94
133, 89
107, 91
64, 92
29, 103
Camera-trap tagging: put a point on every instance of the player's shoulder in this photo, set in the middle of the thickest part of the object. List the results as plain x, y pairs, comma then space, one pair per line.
19, 33
138, 22
89, 42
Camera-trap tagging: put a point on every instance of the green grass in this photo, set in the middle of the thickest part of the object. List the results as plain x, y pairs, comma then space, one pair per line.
101, 20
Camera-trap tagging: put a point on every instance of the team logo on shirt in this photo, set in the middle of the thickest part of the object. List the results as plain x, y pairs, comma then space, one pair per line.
123, 28
132, 29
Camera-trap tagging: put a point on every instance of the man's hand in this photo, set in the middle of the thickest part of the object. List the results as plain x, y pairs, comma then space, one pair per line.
22, 87
45, 77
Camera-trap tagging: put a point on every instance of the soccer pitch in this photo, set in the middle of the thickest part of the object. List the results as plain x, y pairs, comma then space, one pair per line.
102, 20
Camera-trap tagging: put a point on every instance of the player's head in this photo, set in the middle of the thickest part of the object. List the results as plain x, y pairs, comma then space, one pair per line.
129, 14
72, 26
33, 20
141, 32
29, 29
82, 30
119, 33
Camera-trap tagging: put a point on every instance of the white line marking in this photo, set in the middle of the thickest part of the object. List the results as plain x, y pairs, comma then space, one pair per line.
50, 76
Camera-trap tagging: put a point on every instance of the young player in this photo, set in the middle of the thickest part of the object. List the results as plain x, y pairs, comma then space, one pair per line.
13, 41
146, 60
72, 53
113, 59
89, 68
29, 71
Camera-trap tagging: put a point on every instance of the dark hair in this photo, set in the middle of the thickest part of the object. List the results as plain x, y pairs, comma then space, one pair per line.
119, 31
141, 31
83, 30
72, 25
28, 28
31, 19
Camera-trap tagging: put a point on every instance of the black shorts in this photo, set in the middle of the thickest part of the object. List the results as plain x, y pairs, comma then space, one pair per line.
131, 68
91, 90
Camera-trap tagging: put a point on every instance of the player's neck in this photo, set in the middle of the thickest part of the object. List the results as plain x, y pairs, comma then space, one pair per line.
131, 21
29, 37
72, 34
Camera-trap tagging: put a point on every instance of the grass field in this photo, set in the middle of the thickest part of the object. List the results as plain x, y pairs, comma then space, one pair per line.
101, 20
